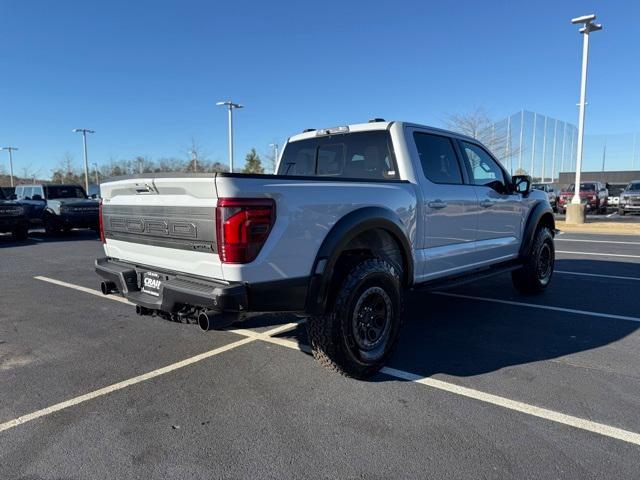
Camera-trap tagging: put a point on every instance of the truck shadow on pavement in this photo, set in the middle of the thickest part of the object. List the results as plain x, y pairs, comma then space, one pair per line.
35, 238
447, 335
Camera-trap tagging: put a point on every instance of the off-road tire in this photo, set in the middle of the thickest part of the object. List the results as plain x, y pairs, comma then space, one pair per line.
21, 233
342, 338
535, 275
51, 225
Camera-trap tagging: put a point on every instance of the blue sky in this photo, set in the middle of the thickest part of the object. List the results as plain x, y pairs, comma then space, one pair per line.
146, 74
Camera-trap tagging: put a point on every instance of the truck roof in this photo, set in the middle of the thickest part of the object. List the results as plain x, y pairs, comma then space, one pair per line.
377, 124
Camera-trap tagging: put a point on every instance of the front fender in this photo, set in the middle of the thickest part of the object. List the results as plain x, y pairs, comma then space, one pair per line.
541, 212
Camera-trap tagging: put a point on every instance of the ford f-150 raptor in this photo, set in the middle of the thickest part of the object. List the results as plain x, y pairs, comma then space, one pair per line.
354, 216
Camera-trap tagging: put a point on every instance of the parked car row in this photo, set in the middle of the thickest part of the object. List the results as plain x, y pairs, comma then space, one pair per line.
594, 195
56, 208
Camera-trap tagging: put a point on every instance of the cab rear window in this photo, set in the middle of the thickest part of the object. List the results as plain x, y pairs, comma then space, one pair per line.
358, 155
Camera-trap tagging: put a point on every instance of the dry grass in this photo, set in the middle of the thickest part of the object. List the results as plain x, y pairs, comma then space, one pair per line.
594, 226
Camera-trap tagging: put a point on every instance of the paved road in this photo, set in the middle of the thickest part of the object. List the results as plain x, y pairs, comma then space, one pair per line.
485, 383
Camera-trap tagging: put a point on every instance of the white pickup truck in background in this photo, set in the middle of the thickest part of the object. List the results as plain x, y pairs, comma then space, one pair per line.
355, 216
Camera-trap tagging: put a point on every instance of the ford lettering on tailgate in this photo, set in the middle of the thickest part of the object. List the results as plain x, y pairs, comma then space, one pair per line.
187, 228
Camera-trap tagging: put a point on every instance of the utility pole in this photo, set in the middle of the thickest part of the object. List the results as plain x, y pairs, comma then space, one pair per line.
588, 27
95, 171
10, 150
84, 132
604, 154
231, 106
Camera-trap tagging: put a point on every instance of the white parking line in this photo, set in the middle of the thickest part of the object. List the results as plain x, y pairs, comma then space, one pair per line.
561, 418
596, 241
598, 254
83, 289
569, 420
120, 385
249, 335
617, 277
542, 307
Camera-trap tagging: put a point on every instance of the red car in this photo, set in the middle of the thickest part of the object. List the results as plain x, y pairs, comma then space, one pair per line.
593, 194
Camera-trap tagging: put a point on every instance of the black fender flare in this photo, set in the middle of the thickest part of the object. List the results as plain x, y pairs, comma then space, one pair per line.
345, 230
540, 211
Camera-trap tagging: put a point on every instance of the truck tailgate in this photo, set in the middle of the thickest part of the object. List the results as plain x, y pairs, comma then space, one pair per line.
163, 223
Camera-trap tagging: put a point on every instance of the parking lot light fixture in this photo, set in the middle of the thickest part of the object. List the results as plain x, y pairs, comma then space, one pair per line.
231, 106
587, 28
10, 150
84, 132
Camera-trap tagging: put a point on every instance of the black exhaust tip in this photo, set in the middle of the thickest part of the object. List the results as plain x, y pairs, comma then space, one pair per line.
108, 287
215, 320
140, 310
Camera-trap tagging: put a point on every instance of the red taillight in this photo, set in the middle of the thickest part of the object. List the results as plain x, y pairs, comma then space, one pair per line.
101, 223
242, 227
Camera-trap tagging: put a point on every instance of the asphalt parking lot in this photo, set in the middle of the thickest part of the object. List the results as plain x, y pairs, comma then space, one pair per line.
485, 383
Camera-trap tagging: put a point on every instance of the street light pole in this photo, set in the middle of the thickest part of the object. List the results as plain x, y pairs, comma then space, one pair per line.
230, 105
10, 150
275, 155
84, 132
585, 30
95, 171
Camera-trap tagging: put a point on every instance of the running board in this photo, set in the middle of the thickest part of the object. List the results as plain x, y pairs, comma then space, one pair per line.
468, 277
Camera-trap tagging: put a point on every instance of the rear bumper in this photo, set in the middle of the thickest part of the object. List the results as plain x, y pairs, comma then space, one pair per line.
177, 291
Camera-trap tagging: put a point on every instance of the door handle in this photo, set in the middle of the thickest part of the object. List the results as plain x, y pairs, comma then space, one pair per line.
437, 204
487, 203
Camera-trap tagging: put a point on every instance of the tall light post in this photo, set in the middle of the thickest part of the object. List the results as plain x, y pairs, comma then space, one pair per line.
95, 172
231, 106
84, 132
10, 150
275, 155
588, 27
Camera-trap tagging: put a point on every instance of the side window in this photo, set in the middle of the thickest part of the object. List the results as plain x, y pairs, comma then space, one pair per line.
484, 170
37, 191
438, 158
18, 193
27, 193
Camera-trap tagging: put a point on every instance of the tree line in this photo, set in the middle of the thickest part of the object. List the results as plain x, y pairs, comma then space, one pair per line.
67, 170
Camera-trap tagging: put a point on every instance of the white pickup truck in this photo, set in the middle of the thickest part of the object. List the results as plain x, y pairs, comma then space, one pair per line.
355, 216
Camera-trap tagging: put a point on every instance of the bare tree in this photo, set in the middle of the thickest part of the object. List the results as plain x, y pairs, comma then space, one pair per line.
495, 135
197, 157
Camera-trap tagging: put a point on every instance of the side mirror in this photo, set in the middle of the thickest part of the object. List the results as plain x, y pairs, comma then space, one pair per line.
36, 197
94, 196
521, 184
